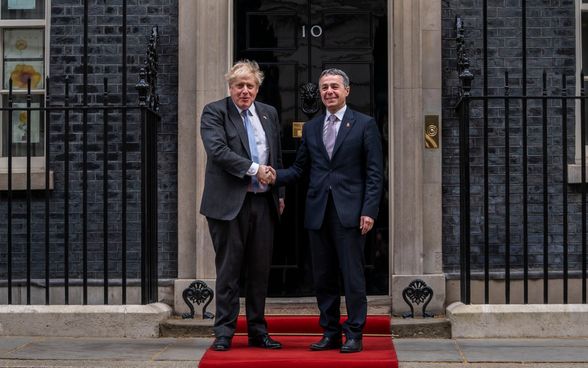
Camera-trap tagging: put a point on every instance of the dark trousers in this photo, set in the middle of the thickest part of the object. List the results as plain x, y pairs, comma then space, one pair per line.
334, 249
243, 244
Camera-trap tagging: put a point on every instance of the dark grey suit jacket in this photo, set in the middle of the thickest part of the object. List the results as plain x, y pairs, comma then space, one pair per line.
228, 157
354, 175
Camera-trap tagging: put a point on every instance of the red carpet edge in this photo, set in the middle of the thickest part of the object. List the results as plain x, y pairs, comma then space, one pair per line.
296, 333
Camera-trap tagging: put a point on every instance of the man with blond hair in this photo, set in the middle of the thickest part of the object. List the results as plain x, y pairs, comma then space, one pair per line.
242, 141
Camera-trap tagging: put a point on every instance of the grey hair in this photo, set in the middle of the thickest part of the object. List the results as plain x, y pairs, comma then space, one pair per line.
242, 68
334, 71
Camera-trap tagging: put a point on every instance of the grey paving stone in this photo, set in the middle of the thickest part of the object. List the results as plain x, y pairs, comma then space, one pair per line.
95, 364
185, 349
525, 350
427, 350
8, 344
491, 365
99, 349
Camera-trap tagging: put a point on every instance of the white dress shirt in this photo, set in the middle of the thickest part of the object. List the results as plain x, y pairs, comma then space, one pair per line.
260, 140
339, 114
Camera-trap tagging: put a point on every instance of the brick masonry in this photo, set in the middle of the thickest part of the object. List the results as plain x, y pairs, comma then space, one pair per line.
105, 60
550, 47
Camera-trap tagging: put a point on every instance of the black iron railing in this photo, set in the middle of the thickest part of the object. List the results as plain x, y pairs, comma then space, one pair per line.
124, 162
519, 211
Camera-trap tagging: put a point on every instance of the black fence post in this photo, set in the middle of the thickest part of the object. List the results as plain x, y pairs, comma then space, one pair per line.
466, 78
9, 187
143, 87
149, 121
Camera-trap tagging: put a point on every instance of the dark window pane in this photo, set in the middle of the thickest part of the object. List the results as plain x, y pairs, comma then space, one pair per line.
271, 31
347, 30
23, 9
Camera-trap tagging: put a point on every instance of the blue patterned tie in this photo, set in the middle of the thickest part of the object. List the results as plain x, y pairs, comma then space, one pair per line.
255, 186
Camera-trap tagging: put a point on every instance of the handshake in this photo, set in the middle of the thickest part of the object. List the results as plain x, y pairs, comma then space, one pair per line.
266, 175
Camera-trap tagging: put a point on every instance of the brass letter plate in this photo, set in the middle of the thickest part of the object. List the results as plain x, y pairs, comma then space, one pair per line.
432, 131
297, 129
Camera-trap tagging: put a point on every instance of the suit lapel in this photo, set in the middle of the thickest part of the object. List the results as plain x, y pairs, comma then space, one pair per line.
344, 128
266, 123
237, 122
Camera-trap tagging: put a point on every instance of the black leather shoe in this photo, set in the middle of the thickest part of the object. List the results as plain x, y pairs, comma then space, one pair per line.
352, 346
221, 343
264, 341
326, 343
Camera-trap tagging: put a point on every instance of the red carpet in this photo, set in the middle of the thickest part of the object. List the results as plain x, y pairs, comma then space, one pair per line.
296, 333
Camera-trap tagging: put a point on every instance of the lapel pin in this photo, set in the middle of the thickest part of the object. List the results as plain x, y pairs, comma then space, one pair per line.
265, 117
347, 125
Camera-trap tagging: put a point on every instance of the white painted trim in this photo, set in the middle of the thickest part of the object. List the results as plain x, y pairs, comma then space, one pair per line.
391, 160
230, 38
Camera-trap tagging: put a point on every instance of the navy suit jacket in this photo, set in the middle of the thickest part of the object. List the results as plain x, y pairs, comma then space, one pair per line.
354, 174
228, 157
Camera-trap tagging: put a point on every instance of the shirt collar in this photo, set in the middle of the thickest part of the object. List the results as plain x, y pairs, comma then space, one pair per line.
251, 109
339, 114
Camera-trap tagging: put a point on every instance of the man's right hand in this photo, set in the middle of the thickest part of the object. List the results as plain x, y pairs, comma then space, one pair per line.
266, 175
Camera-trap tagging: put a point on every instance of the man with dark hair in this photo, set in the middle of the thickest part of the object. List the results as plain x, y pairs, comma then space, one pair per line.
342, 153
242, 140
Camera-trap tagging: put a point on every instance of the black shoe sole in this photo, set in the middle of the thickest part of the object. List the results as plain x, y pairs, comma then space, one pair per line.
329, 347
219, 348
265, 347
324, 349
350, 351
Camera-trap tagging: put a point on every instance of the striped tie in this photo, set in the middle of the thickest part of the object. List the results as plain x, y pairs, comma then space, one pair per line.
330, 134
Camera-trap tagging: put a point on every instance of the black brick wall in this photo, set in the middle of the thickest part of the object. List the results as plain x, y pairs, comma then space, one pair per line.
105, 53
550, 47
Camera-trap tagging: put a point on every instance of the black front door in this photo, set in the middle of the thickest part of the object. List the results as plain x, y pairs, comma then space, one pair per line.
293, 41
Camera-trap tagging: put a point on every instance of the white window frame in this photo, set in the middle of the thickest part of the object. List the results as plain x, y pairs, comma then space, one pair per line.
19, 164
575, 169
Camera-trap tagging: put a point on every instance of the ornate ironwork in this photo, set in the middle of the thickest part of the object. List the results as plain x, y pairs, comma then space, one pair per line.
463, 62
417, 292
198, 292
309, 98
147, 85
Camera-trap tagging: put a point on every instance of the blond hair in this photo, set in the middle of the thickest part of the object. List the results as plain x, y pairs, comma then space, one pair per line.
242, 68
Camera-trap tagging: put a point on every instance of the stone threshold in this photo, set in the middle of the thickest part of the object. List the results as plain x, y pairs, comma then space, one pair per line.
134, 321
518, 320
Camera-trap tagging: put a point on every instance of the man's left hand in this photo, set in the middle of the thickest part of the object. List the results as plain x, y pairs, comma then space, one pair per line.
365, 224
